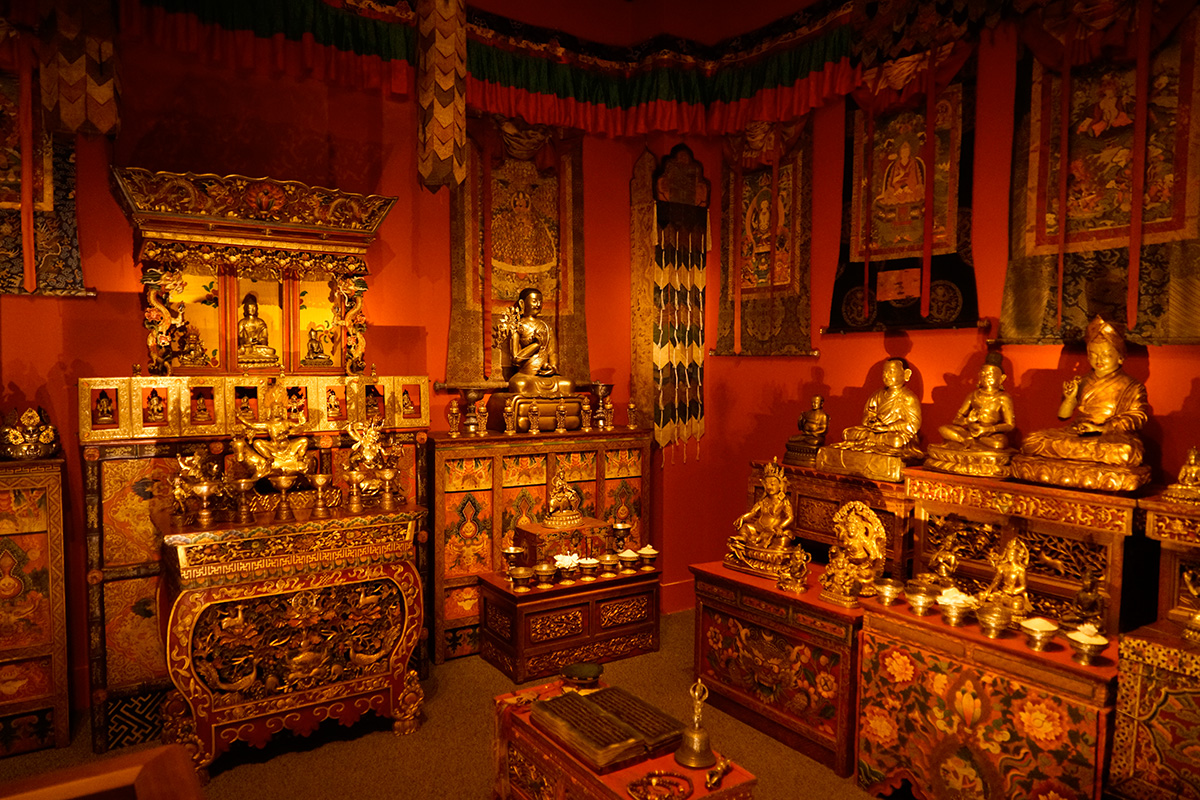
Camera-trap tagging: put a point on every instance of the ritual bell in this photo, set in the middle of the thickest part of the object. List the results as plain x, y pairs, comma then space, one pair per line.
695, 750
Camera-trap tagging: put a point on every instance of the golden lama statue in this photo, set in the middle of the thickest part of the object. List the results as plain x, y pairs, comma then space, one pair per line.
536, 382
887, 438
1101, 449
976, 442
763, 544
801, 449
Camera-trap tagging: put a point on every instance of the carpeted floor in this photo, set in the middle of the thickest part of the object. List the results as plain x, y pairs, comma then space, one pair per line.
451, 755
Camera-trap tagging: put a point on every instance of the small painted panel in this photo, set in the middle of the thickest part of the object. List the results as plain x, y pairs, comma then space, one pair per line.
624, 504
25, 618
406, 463
21, 733
587, 497
468, 474
524, 470
26, 680
461, 642
622, 463
576, 466
1157, 737
461, 602
132, 490
133, 643
522, 505
782, 676
23, 510
956, 731
468, 533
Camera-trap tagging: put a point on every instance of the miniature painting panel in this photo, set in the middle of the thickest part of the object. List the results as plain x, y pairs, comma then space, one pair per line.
26, 731
522, 505
10, 137
133, 646
468, 474
412, 401
1100, 144
374, 401
576, 466
461, 602
587, 497
462, 642
245, 400
156, 406
197, 295
153, 406
766, 211
24, 510
27, 680
25, 589
622, 463
320, 345
131, 492
300, 395
202, 407
104, 409
623, 503
260, 324
524, 470
335, 411
890, 174
468, 533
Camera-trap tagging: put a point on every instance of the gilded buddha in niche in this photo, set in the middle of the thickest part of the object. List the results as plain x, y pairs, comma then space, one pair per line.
1100, 448
252, 336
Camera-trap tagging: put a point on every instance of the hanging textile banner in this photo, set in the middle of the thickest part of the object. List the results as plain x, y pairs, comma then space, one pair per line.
441, 92
766, 230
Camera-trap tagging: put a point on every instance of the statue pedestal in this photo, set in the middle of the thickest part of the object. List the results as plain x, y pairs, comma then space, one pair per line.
872, 466
981, 463
1079, 474
547, 408
800, 455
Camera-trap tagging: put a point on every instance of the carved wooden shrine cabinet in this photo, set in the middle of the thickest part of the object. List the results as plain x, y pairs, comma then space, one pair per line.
1157, 738
535, 634
816, 496
532, 766
782, 662
1068, 532
281, 625
486, 485
956, 714
34, 705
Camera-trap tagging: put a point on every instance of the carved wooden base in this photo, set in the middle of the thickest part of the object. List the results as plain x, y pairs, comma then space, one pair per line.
800, 455
547, 408
763, 561
872, 466
1079, 474
948, 457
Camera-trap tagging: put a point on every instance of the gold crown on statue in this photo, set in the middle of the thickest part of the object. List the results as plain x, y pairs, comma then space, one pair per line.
774, 469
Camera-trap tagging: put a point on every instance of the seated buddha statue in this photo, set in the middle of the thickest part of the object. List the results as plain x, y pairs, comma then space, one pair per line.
252, 337
1101, 448
801, 449
887, 437
976, 442
531, 343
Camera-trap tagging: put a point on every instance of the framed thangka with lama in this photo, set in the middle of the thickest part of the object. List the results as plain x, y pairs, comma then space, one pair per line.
766, 229
905, 180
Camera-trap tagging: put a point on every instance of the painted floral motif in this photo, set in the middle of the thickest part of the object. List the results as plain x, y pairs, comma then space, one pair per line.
1040, 722
879, 727
898, 666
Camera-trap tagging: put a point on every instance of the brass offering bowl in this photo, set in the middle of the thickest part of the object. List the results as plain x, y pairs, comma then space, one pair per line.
588, 567
608, 565
1039, 632
568, 574
521, 578
629, 562
648, 555
888, 590
921, 602
993, 621
1086, 648
545, 575
955, 613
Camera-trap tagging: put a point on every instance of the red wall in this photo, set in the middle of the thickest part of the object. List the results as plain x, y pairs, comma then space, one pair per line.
179, 115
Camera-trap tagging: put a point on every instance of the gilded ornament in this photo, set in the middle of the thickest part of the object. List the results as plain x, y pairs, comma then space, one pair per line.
886, 440
976, 442
765, 542
454, 418
28, 436
564, 504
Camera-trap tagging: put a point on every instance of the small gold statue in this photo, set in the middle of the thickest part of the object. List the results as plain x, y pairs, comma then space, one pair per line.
1007, 588
840, 583
1191, 628
252, 337
976, 442
863, 541
764, 542
802, 448
944, 561
367, 452
1101, 449
564, 504
793, 575
1187, 485
1087, 607
887, 438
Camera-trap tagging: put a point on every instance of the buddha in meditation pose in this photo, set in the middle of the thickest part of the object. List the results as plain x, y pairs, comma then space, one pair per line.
813, 424
976, 442
531, 342
891, 418
1101, 448
1008, 585
253, 347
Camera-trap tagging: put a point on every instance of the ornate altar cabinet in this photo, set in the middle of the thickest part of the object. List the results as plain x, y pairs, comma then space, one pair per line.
1069, 534
484, 486
34, 702
782, 662
536, 633
278, 626
817, 495
532, 766
954, 713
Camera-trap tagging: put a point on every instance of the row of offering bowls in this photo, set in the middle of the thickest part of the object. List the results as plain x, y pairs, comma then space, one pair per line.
586, 569
994, 620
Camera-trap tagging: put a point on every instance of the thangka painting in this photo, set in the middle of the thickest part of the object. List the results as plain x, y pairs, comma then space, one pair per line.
517, 222
879, 279
764, 306
57, 266
1094, 276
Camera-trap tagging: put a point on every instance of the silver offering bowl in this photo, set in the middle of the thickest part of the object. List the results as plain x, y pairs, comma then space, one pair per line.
993, 621
954, 613
511, 554
521, 577
629, 563
1039, 632
921, 603
588, 567
608, 565
568, 574
648, 555
1086, 650
620, 533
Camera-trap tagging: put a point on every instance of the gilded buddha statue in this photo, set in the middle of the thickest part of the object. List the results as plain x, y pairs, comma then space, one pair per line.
764, 542
813, 424
1101, 448
976, 442
1007, 588
887, 438
536, 381
252, 337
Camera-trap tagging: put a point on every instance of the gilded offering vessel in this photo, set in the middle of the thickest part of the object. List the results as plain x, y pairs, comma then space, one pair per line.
320, 509
620, 533
588, 567
355, 477
1039, 632
521, 578
245, 514
955, 613
387, 500
283, 512
888, 590
1087, 646
648, 555
921, 603
568, 573
545, 575
608, 565
511, 554
993, 620
205, 490
629, 561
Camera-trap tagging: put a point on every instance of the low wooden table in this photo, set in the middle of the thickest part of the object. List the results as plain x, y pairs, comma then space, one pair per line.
957, 714
783, 662
535, 634
531, 766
